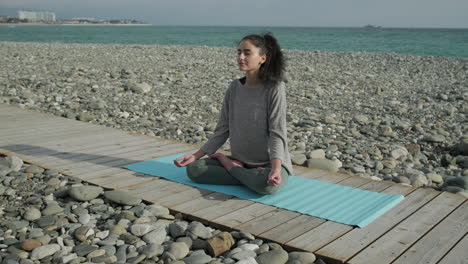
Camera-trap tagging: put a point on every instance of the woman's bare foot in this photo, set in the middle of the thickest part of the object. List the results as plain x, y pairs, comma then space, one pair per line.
227, 163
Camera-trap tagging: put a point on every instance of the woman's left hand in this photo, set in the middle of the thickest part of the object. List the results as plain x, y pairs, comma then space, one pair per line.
274, 178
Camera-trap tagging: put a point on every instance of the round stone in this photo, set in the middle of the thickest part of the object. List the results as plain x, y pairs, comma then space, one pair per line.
34, 169
32, 214
44, 251
122, 197
322, 164
141, 229
157, 236
85, 192
179, 250
197, 257
83, 233
277, 256
30, 244
317, 154
118, 230
302, 257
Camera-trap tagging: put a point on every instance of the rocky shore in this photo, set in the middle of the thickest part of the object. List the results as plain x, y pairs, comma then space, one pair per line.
381, 116
47, 217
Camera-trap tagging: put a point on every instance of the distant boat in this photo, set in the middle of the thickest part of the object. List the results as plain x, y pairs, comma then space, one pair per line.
372, 27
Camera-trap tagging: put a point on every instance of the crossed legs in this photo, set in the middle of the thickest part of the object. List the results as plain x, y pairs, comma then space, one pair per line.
233, 172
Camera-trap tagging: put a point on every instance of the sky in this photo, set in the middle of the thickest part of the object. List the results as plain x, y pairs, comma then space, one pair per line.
308, 13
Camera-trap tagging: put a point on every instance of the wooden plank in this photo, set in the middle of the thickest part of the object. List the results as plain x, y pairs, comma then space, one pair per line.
326, 232
458, 254
128, 182
243, 215
102, 173
377, 186
31, 120
55, 126
122, 180
292, 228
399, 189
156, 184
119, 162
71, 142
318, 237
25, 127
114, 177
296, 227
166, 190
434, 245
19, 122
50, 128
201, 203
354, 181
28, 142
87, 161
99, 154
324, 176
342, 249
220, 209
41, 138
64, 151
87, 173
401, 237
298, 170
181, 197
267, 221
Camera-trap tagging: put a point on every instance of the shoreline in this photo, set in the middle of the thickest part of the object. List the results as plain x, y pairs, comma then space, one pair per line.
42, 24
227, 47
380, 116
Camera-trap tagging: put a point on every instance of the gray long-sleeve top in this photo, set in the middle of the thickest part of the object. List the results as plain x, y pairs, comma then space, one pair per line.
254, 120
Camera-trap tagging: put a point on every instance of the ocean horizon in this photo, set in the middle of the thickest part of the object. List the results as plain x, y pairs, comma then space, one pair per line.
448, 42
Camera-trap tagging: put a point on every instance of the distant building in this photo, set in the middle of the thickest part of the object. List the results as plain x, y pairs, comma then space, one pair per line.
37, 16
84, 18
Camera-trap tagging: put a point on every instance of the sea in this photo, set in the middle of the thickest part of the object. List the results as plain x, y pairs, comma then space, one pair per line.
415, 41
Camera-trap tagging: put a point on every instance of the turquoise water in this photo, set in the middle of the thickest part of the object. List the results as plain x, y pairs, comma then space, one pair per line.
434, 42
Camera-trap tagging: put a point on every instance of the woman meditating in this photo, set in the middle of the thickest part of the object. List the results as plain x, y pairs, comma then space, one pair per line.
253, 117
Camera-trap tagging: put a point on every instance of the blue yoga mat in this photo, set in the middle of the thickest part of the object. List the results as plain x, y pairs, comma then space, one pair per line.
333, 202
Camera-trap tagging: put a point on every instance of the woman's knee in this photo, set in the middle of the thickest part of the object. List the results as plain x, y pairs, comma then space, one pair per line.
268, 190
196, 169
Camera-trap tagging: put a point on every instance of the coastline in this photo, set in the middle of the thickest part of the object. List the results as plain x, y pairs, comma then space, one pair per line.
381, 116
42, 24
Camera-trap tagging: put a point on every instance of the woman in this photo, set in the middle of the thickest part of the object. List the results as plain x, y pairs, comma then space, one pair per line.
253, 117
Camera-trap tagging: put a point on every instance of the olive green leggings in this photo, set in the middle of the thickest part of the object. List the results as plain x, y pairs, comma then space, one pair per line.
211, 171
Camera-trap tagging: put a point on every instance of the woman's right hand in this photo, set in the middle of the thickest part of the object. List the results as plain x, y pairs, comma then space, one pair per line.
185, 160
189, 158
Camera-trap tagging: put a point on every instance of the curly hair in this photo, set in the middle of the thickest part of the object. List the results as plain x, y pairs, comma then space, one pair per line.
271, 72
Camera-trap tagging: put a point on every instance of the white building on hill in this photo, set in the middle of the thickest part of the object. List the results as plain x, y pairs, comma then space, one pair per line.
37, 16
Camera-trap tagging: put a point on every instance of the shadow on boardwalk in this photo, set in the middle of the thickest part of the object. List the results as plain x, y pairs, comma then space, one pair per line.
37, 151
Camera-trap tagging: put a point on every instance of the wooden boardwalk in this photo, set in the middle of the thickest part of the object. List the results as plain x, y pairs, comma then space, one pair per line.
426, 227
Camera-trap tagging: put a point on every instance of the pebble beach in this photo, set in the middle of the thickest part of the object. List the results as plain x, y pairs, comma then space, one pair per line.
387, 117
47, 217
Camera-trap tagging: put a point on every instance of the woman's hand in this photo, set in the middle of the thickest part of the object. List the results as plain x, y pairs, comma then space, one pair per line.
189, 158
185, 160
216, 155
274, 178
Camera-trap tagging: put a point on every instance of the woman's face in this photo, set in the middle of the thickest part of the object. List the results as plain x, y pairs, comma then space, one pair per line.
249, 58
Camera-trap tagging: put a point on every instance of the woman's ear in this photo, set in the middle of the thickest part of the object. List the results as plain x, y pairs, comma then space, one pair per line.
263, 59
